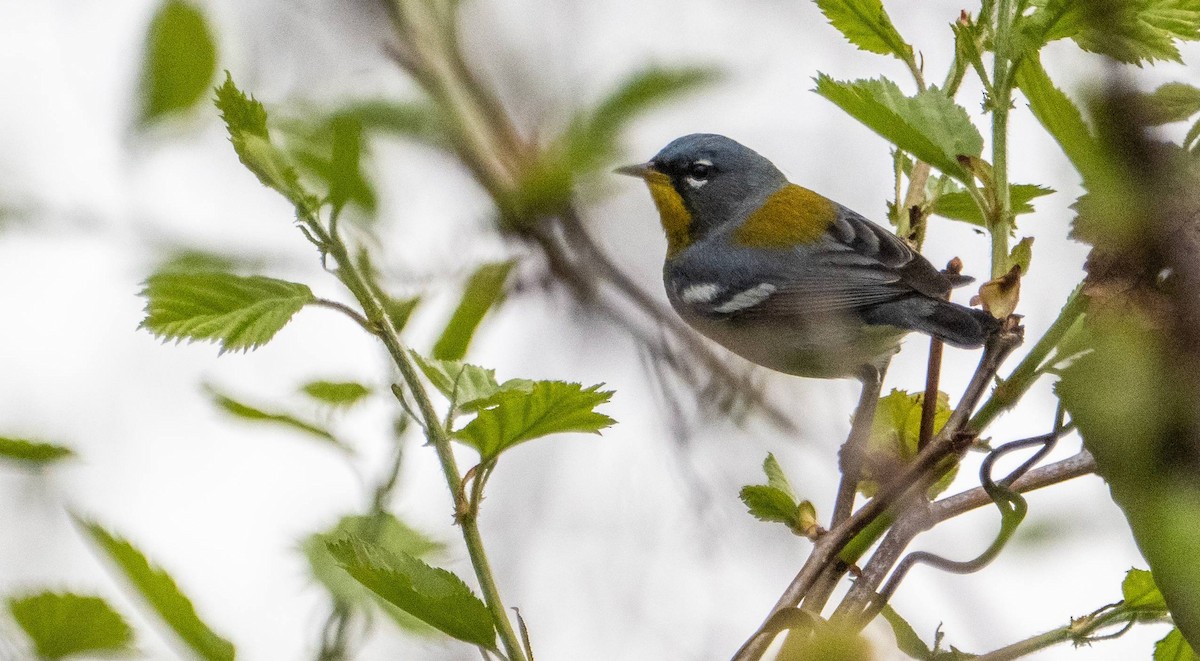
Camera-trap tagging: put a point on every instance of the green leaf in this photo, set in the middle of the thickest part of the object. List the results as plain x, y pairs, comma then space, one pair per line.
1137, 31
179, 61
929, 125
767, 503
958, 205
470, 387
32, 452
415, 119
254, 414
895, 433
641, 91
333, 151
435, 596
246, 120
161, 594
389, 533
1174, 647
1171, 102
336, 393
482, 292
238, 312
1139, 591
549, 407
775, 476
1061, 119
64, 624
399, 310
906, 637
1021, 255
866, 25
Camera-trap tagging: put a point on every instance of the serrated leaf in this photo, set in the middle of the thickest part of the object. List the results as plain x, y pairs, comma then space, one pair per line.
33, 452
929, 125
389, 533
866, 25
399, 310
1061, 119
907, 639
1137, 31
895, 434
336, 393
1138, 591
958, 205
237, 312
434, 596
470, 387
482, 292
254, 414
246, 120
65, 624
549, 407
179, 62
767, 503
1171, 102
161, 593
1021, 255
1174, 647
775, 476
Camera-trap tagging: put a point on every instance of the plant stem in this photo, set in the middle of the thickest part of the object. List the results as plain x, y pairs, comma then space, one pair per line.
436, 433
1078, 631
1000, 222
1010, 390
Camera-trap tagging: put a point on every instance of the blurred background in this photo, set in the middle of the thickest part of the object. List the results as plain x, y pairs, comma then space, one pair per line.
631, 545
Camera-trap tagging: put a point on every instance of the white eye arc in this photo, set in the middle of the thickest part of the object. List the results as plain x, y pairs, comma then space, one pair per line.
694, 182
698, 173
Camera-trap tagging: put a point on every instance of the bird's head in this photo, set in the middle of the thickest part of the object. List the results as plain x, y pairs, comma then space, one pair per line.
702, 181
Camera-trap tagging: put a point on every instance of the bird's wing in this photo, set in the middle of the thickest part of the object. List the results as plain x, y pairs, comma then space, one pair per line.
854, 264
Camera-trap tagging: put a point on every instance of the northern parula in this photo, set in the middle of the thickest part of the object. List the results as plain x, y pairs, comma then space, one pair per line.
785, 277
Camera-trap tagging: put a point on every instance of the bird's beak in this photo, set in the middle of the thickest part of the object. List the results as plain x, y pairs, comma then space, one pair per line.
641, 170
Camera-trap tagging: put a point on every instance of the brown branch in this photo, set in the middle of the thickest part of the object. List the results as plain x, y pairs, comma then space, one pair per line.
953, 440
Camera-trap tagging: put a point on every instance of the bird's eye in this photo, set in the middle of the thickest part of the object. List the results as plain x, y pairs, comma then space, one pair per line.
700, 170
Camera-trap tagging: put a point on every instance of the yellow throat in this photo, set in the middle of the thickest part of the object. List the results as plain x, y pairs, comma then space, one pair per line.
676, 220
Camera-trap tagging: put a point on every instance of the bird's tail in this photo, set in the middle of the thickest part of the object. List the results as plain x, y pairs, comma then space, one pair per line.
952, 323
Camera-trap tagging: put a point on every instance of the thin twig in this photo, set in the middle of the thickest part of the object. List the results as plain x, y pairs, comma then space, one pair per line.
348, 311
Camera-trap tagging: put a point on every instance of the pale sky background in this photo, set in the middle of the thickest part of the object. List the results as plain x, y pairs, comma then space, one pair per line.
625, 546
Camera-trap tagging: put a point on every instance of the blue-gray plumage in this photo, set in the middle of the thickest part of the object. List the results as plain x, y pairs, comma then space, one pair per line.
785, 277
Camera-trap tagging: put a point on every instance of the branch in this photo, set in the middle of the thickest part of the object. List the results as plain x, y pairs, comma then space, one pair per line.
952, 440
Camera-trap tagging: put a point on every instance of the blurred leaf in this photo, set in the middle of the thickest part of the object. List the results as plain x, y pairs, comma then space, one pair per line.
550, 407
399, 310
33, 452
1051, 20
1137, 31
866, 25
929, 125
640, 92
906, 637
435, 596
958, 205
191, 260
180, 60
482, 292
827, 641
336, 393
237, 312
1138, 591
1173, 647
895, 434
246, 120
333, 151
1061, 119
247, 412
161, 593
389, 533
1171, 102
64, 624
416, 119
1021, 255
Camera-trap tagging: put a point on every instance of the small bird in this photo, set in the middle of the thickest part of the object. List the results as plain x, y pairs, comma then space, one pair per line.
785, 277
